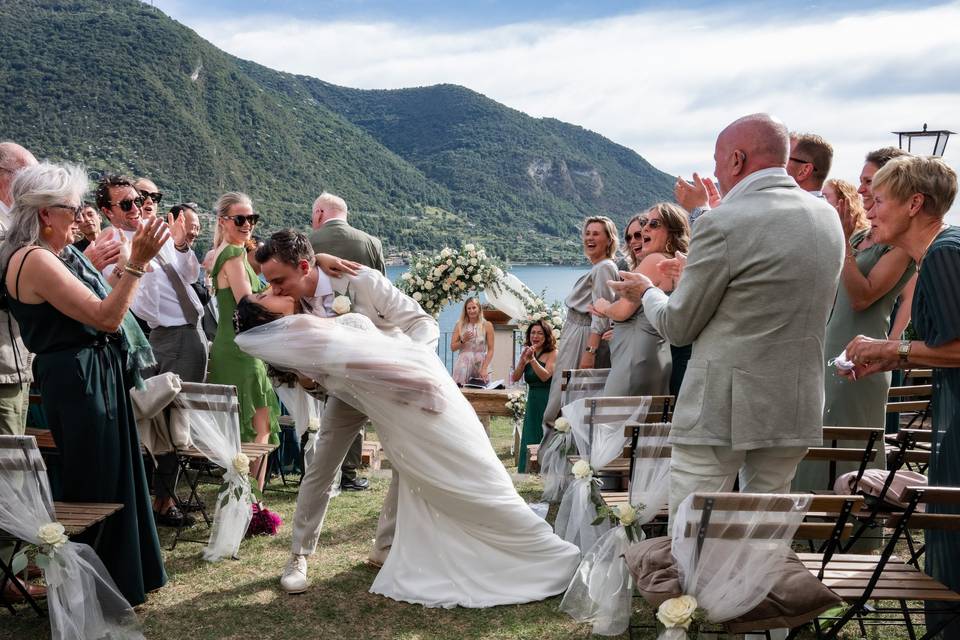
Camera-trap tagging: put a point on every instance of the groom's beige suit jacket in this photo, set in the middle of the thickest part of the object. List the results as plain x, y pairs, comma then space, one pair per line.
392, 311
754, 299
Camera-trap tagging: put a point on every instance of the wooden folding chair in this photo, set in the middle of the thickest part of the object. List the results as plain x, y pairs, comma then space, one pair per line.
865, 581
75, 517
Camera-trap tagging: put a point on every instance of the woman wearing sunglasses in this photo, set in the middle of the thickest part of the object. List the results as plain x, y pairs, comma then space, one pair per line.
233, 279
641, 361
89, 353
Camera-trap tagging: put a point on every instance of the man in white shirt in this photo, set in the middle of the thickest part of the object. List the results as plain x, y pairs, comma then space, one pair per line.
168, 305
288, 265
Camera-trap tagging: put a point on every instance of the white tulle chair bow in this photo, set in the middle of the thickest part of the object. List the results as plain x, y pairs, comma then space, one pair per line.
214, 414
598, 429
82, 598
729, 550
601, 590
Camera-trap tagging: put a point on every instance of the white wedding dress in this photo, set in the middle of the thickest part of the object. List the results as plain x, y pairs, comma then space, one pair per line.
464, 536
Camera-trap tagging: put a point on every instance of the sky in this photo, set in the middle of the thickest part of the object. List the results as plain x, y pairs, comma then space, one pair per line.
662, 78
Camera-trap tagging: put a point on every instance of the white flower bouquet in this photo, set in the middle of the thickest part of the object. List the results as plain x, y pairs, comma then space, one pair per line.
446, 277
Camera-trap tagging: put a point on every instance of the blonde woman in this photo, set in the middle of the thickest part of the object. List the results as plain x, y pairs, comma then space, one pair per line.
473, 339
582, 333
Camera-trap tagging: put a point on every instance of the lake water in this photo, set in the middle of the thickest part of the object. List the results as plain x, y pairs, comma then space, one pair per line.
555, 280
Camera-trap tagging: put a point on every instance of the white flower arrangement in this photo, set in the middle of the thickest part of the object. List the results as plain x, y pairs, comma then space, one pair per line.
562, 425
677, 612
626, 514
52, 536
341, 305
241, 464
447, 276
314, 424
517, 404
582, 470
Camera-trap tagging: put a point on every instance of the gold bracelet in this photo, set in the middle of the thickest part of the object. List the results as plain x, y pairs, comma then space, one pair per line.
136, 273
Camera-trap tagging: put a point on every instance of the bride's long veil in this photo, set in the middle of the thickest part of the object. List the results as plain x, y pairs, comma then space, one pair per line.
367, 365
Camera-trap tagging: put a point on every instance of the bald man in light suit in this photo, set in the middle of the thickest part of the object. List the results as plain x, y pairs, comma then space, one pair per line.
754, 299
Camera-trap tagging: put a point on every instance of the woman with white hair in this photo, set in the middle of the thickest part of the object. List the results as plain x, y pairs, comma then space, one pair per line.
89, 351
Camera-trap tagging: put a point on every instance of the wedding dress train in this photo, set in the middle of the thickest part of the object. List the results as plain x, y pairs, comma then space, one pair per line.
464, 536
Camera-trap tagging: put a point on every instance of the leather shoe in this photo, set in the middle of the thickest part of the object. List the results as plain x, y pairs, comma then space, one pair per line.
12, 594
357, 484
173, 517
294, 578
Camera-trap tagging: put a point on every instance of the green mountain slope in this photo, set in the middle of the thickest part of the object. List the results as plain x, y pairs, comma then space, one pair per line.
119, 86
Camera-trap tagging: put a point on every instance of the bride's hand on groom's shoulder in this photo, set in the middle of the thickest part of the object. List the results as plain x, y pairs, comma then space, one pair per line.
336, 267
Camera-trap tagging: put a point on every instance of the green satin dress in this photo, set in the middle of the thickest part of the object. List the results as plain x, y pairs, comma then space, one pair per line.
230, 365
85, 387
538, 392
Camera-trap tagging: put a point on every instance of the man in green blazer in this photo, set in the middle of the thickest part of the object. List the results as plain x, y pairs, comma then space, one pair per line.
333, 234
754, 299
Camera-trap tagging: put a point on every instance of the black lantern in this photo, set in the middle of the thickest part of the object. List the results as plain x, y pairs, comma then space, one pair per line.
924, 143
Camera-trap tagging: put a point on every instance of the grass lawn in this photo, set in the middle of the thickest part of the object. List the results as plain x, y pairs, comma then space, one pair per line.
242, 599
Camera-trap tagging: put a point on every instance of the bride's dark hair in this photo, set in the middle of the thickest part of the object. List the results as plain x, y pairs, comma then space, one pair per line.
249, 314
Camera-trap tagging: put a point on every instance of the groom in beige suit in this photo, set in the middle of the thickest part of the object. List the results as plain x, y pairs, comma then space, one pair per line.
287, 260
754, 300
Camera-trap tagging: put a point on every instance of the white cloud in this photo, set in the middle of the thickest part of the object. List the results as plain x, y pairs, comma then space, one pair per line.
663, 83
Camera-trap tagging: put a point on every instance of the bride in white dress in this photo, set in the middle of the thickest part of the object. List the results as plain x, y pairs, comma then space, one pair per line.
464, 536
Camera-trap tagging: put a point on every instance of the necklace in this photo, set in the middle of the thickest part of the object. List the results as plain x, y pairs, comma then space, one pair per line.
923, 255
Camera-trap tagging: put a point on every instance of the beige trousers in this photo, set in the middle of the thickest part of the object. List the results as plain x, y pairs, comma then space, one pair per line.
704, 468
338, 428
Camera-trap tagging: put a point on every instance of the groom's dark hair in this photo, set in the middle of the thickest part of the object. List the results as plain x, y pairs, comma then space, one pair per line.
287, 246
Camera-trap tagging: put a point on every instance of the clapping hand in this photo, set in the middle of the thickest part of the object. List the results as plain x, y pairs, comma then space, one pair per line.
150, 236
699, 193
336, 267
632, 286
106, 250
178, 229
672, 268
526, 355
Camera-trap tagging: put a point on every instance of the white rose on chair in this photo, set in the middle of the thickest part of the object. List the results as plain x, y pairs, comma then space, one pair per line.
562, 425
341, 305
626, 514
581, 470
241, 464
52, 535
677, 612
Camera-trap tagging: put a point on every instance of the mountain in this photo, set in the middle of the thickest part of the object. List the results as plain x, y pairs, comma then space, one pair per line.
119, 86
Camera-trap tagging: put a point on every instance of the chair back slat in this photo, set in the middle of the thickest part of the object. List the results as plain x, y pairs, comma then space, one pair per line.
916, 390
29, 458
734, 531
851, 433
839, 454
783, 502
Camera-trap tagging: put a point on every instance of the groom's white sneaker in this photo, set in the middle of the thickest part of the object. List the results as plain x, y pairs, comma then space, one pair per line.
294, 578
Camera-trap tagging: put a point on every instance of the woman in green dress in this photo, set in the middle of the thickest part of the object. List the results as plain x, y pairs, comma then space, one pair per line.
536, 365
89, 352
913, 194
233, 279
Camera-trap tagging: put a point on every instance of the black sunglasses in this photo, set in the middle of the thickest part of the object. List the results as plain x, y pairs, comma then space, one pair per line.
156, 196
240, 220
127, 204
77, 210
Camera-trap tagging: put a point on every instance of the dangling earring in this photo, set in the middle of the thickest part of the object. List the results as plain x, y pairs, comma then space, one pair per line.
47, 231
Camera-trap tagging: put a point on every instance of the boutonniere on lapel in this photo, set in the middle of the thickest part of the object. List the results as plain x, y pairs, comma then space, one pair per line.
342, 303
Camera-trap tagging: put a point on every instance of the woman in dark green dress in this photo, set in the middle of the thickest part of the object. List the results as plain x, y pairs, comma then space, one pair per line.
233, 279
89, 352
536, 365
912, 196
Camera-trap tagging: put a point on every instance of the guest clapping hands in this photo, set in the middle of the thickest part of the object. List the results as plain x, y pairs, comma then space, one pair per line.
639, 356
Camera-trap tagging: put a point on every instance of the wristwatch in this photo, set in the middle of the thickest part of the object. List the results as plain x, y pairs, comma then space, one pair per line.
590, 349
903, 350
